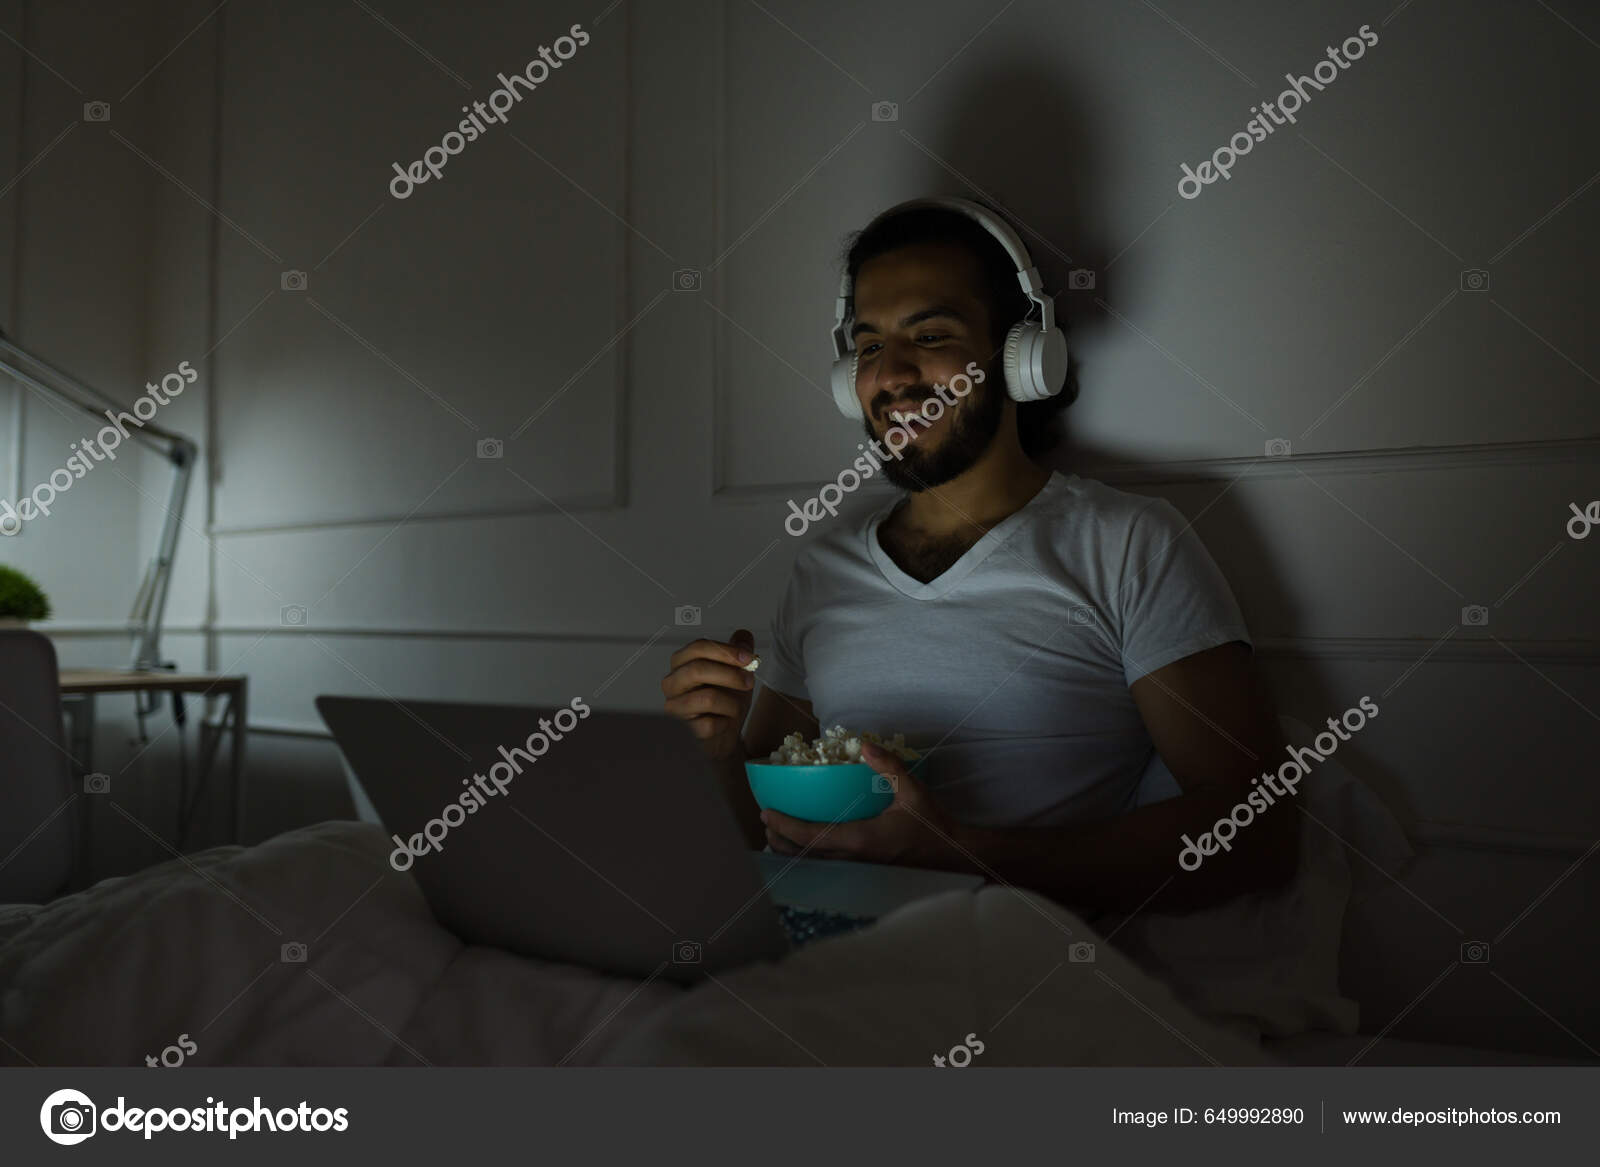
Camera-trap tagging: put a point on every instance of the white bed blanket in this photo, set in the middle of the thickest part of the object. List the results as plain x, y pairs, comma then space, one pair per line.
119, 972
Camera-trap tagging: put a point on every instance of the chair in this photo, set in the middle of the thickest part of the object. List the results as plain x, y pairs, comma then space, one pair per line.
38, 812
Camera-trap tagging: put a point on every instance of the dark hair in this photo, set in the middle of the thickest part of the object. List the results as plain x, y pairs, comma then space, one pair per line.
1007, 303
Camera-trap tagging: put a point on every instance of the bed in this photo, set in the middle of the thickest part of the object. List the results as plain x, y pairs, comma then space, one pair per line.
309, 949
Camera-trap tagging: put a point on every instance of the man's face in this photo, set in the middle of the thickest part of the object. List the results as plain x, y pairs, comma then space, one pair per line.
918, 322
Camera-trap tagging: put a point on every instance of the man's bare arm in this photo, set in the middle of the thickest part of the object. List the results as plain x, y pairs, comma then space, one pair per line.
1213, 725
773, 716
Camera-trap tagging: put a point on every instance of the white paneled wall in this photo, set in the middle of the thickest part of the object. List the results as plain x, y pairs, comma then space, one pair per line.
93, 280
72, 240
1439, 428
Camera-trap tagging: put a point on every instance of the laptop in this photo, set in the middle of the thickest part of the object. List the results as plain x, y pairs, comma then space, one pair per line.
594, 838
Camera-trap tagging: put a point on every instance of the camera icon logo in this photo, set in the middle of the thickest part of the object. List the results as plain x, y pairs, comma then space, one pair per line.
1081, 953
490, 448
292, 281
97, 783
1277, 447
687, 952
686, 614
1083, 615
67, 1117
292, 615
1475, 616
97, 111
883, 784
293, 952
885, 111
1475, 952
1080, 279
686, 279
1474, 279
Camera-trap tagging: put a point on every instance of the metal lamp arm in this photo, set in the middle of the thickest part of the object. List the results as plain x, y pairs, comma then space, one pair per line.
151, 600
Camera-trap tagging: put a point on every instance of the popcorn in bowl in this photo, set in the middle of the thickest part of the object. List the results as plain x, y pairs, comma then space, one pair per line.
836, 746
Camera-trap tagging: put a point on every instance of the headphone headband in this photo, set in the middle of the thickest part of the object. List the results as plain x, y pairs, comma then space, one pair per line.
1027, 274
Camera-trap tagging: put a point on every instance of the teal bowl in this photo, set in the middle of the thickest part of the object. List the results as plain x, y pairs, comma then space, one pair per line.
835, 793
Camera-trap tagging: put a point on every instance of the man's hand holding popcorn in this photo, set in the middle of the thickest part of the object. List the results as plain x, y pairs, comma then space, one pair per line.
912, 831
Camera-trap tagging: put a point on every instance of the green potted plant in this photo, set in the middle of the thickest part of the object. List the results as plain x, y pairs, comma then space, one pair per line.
20, 599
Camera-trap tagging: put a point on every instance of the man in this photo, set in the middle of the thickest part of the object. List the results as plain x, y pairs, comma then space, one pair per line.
1042, 635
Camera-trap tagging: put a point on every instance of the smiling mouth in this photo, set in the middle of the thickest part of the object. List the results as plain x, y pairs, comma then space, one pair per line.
902, 413
911, 421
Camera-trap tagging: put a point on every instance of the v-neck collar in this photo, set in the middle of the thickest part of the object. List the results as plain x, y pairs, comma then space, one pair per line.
970, 559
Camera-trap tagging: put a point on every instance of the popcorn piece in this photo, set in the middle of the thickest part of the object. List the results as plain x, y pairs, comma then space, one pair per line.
836, 746
755, 663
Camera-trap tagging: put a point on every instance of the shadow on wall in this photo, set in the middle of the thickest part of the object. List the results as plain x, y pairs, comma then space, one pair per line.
1020, 143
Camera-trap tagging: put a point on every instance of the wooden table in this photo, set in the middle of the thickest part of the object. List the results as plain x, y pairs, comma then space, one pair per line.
87, 684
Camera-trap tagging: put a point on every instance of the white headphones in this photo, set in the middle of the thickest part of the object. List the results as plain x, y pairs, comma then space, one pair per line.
1035, 354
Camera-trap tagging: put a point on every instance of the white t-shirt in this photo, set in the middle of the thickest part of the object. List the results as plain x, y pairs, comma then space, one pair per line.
1013, 666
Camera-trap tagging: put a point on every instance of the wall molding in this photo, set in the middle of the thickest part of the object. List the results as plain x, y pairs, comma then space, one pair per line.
11, 219
19, 422
616, 499
88, 629
719, 169
1470, 837
745, 495
583, 504
358, 631
1399, 460
1458, 649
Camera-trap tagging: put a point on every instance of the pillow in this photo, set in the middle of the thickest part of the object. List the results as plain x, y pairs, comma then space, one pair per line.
1270, 962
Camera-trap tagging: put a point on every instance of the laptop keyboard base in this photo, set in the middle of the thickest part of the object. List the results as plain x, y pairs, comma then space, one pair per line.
806, 924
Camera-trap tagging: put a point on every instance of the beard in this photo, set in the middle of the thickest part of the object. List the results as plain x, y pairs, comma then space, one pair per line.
974, 421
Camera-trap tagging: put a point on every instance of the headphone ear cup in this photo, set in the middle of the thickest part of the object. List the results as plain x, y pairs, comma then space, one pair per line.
844, 386
1035, 362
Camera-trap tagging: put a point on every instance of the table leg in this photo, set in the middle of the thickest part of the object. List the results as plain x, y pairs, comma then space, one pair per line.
183, 770
83, 752
205, 763
239, 722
